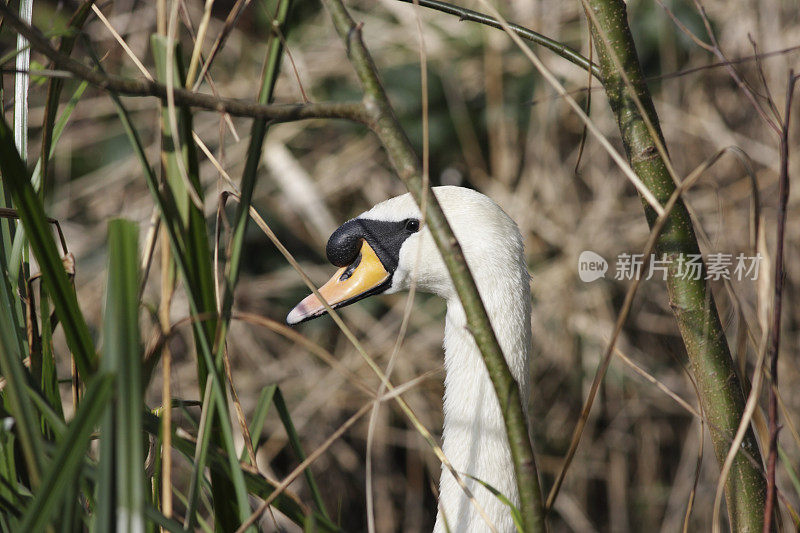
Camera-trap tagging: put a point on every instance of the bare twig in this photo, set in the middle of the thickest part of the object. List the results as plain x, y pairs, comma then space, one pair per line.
655, 234
353, 111
313, 456
685, 71
230, 22
558, 47
777, 306
691, 299
122, 43
412, 417
626, 168
741, 82
406, 164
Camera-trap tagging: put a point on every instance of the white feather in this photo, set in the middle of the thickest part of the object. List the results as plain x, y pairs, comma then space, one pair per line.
474, 438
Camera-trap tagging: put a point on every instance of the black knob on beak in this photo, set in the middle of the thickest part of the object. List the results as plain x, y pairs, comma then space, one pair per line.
345, 243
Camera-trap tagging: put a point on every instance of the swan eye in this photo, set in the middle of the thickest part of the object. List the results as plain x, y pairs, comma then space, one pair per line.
412, 225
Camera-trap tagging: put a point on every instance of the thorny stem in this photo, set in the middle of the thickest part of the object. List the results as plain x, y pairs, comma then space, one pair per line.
401, 154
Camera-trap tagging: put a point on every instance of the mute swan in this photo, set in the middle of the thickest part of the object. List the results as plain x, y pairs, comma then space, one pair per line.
377, 252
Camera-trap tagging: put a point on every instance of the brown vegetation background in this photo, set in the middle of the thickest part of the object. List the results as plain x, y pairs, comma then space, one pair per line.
496, 126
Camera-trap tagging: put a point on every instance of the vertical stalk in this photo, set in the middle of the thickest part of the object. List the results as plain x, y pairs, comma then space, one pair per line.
167, 288
691, 300
403, 158
164, 305
777, 306
122, 357
22, 81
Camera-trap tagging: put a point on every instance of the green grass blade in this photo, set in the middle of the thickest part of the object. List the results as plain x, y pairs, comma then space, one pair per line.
256, 484
7, 234
57, 130
10, 497
55, 85
54, 419
515, 513
258, 132
36, 177
169, 146
9, 302
69, 456
200, 283
122, 355
22, 82
254, 151
49, 382
71, 509
199, 461
15, 395
259, 416
176, 232
294, 441
62, 294
196, 252
159, 519
202, 523
105, 483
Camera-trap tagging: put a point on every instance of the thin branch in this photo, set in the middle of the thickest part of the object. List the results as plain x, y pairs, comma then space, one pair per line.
777, 306
744, 425
561, 49
353, 111
691, 300
230, 22
122, 43
412, 417
725, 63
626, 168
313, 456
652, 242
403, 158
741, 82
682, 72
648, 115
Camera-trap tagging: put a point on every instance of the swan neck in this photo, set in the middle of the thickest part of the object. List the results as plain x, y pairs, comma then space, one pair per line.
474, 437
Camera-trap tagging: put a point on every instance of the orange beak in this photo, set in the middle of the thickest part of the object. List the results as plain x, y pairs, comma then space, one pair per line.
350, 283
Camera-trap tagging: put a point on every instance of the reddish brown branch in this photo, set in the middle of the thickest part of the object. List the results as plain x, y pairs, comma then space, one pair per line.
776, 308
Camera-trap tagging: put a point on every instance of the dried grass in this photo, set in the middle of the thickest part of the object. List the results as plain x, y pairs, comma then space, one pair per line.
635, 468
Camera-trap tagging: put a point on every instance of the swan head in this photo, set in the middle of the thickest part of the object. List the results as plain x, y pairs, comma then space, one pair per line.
385, 248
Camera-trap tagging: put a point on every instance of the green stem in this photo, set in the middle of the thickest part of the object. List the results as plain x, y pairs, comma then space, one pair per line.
402, 156
691, 299
55, 85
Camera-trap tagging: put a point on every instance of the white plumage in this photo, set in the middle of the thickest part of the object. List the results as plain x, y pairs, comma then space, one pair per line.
473, 436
